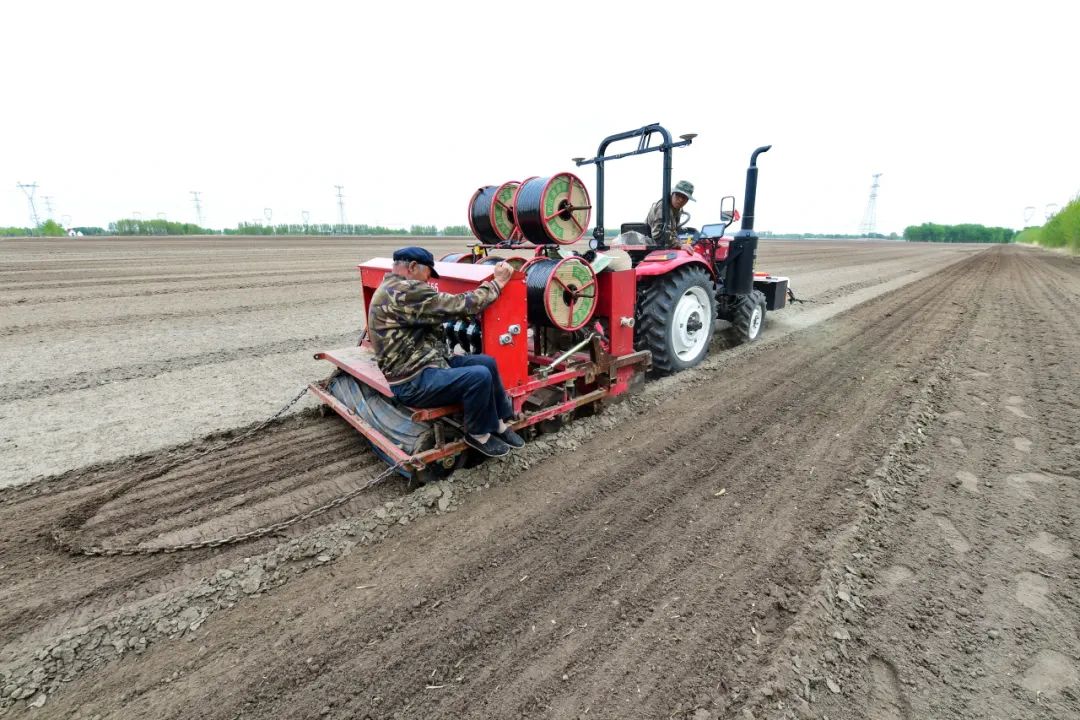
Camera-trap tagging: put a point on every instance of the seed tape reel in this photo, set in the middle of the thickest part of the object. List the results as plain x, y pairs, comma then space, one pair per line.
560, 293
491, 212
554, 209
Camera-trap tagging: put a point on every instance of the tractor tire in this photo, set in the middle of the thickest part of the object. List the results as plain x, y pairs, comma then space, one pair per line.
676, 316
748, 316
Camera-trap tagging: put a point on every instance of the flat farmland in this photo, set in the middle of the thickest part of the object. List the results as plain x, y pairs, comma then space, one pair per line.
869, 513
124, 346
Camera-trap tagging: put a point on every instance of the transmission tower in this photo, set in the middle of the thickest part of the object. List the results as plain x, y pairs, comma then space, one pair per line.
869, 221
1029, 212
341, 203
198, 206
48, 205
268, 213
30, 189
306, 216
1050, 210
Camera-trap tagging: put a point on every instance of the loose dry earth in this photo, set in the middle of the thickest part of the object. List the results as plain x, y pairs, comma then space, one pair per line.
869, 513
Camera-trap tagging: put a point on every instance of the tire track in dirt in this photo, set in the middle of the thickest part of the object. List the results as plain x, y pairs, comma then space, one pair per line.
11, 392
161, 317
665, 557
285, 469
202, 286
788, 429
142, 279
989, 586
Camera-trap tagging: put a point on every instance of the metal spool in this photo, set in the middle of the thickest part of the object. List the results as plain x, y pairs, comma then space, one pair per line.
555, 209
459, 257
560, 293
515, 262
480, 214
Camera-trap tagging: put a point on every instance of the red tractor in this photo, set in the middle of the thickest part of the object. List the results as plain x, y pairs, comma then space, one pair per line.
571, 329
682, 292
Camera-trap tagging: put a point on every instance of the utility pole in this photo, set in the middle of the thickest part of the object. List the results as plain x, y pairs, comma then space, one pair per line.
30, 189
869, 222
341, 206
198, 207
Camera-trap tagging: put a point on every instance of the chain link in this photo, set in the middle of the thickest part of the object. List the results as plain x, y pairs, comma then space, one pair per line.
65, 533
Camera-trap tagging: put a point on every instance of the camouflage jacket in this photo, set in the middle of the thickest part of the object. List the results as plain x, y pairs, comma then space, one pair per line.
404, 323
656, 218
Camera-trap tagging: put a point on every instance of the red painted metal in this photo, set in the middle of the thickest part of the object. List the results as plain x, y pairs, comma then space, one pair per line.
359, 361
497, 319
554, 378
426, 414
616, 301
601, 372
662, 262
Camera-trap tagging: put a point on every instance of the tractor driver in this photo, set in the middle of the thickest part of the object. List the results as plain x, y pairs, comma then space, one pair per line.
683, 193
403, 324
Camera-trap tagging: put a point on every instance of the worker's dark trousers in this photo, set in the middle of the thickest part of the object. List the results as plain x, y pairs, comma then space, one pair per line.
472, 380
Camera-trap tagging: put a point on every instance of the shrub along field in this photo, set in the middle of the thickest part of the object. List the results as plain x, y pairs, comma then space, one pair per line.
1061, 231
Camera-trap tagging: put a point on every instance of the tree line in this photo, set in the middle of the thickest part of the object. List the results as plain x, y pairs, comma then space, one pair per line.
51, 228
1060, 231
966, 233
346, 229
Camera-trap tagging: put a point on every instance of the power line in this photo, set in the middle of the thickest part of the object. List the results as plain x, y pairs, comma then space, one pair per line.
341, 203
30, 189
869, 221
198, 207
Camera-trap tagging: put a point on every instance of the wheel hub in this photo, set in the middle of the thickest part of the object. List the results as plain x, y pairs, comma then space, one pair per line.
689, 327
755, 322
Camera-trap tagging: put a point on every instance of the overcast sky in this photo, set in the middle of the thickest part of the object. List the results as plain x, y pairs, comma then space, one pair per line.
968, 109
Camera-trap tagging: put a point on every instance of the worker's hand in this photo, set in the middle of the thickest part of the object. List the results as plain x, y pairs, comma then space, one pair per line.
503, 271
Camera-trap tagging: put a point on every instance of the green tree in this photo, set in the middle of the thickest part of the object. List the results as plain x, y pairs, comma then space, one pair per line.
51, 228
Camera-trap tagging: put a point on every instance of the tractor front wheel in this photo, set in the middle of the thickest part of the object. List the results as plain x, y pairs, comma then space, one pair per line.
676, 318
748, 316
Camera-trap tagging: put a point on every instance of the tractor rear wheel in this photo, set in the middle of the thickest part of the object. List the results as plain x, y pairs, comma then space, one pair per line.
748, 316
676, 315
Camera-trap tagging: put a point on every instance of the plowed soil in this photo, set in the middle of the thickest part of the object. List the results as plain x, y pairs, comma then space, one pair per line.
869, 513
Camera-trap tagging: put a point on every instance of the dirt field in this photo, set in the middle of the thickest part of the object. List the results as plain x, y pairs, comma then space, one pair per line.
869, 513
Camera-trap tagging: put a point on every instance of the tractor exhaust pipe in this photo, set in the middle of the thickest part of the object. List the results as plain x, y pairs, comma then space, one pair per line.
739, 278
751, 189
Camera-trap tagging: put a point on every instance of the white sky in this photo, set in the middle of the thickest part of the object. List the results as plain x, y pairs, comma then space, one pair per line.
967, 108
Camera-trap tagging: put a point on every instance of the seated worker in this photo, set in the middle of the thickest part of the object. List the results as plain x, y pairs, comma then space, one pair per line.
683, 193
403, 325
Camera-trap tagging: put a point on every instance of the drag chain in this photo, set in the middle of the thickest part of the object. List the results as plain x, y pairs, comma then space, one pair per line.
64, 534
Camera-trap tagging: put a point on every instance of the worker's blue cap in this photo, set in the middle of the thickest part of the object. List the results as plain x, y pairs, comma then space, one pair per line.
417, 255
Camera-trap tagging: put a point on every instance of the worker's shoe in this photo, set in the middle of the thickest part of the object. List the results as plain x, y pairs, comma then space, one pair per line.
511, 438
493, 447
